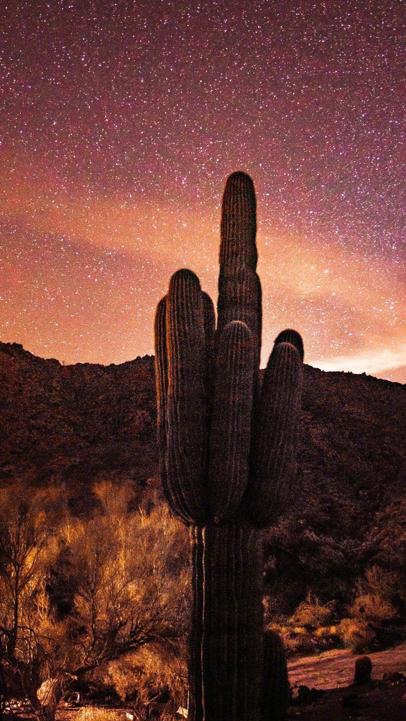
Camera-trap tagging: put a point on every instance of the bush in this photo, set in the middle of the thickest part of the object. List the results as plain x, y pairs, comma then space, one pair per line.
132, 579
312, 614
355, 634
385, 583
152, 674
374, 608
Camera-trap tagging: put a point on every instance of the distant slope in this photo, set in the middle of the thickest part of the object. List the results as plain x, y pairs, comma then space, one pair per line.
80, 423
75, 424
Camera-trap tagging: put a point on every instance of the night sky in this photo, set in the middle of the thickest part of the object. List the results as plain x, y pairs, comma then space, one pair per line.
120, 122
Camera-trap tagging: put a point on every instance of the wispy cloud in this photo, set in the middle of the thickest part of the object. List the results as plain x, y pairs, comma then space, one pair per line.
370, 361
346, 304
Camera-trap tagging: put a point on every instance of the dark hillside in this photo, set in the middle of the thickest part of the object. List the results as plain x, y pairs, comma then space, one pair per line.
75, 424
81, 423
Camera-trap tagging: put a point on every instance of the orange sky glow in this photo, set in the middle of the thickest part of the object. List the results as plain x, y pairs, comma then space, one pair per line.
120, 124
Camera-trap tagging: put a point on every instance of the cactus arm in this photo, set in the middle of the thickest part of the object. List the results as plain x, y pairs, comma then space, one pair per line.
186, 405
231, 420
275, 436
161, 384
209, 320
291, 336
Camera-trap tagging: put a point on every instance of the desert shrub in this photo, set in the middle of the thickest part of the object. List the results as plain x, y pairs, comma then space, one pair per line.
356, 634
312, 614
31, 644
132, 579
296, 640
152, 675
309, 629
382, 582
373, 608
128, 579
298, 643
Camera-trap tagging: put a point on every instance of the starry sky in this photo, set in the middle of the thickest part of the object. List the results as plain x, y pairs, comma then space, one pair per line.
119, 124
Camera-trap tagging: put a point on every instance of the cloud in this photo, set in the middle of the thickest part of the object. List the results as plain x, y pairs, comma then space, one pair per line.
344, 301
372, 361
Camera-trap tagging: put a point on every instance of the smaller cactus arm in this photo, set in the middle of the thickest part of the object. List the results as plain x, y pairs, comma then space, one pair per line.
291, 336
187, 402
275, 435
275, 680
209, 320
161, 368
209, 334
231, 421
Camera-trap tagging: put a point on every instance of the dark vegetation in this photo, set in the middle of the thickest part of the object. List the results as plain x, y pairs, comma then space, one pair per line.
72, 426
333, 564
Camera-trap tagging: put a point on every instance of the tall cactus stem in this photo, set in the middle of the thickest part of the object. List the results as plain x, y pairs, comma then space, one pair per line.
238, 224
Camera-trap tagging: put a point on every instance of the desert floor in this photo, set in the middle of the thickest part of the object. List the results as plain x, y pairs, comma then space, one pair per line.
332, 673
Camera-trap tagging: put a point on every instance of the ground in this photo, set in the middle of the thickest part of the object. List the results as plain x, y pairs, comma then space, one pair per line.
332, 673
335, 669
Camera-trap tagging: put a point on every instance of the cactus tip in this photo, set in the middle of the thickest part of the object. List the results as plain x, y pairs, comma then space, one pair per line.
240, 175
293, 337
184, 275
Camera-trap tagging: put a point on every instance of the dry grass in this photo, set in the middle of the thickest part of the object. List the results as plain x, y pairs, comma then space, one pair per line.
373, 607
100, 714
355, 634
312, 614
154, 672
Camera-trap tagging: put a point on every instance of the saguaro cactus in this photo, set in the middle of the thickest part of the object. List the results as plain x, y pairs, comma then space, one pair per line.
227, 455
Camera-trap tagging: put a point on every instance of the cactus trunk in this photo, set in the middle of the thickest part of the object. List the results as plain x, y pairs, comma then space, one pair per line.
226, 639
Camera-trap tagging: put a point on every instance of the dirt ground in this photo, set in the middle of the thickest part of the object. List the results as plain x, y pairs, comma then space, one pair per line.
331, 673
335, 669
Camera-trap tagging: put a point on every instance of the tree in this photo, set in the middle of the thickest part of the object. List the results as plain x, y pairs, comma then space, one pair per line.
27, 551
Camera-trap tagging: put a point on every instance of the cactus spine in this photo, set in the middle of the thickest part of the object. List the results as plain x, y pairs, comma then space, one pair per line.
227, 455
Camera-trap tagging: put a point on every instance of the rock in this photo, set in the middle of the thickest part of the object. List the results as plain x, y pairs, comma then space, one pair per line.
395, 679
354, 701
303, 695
